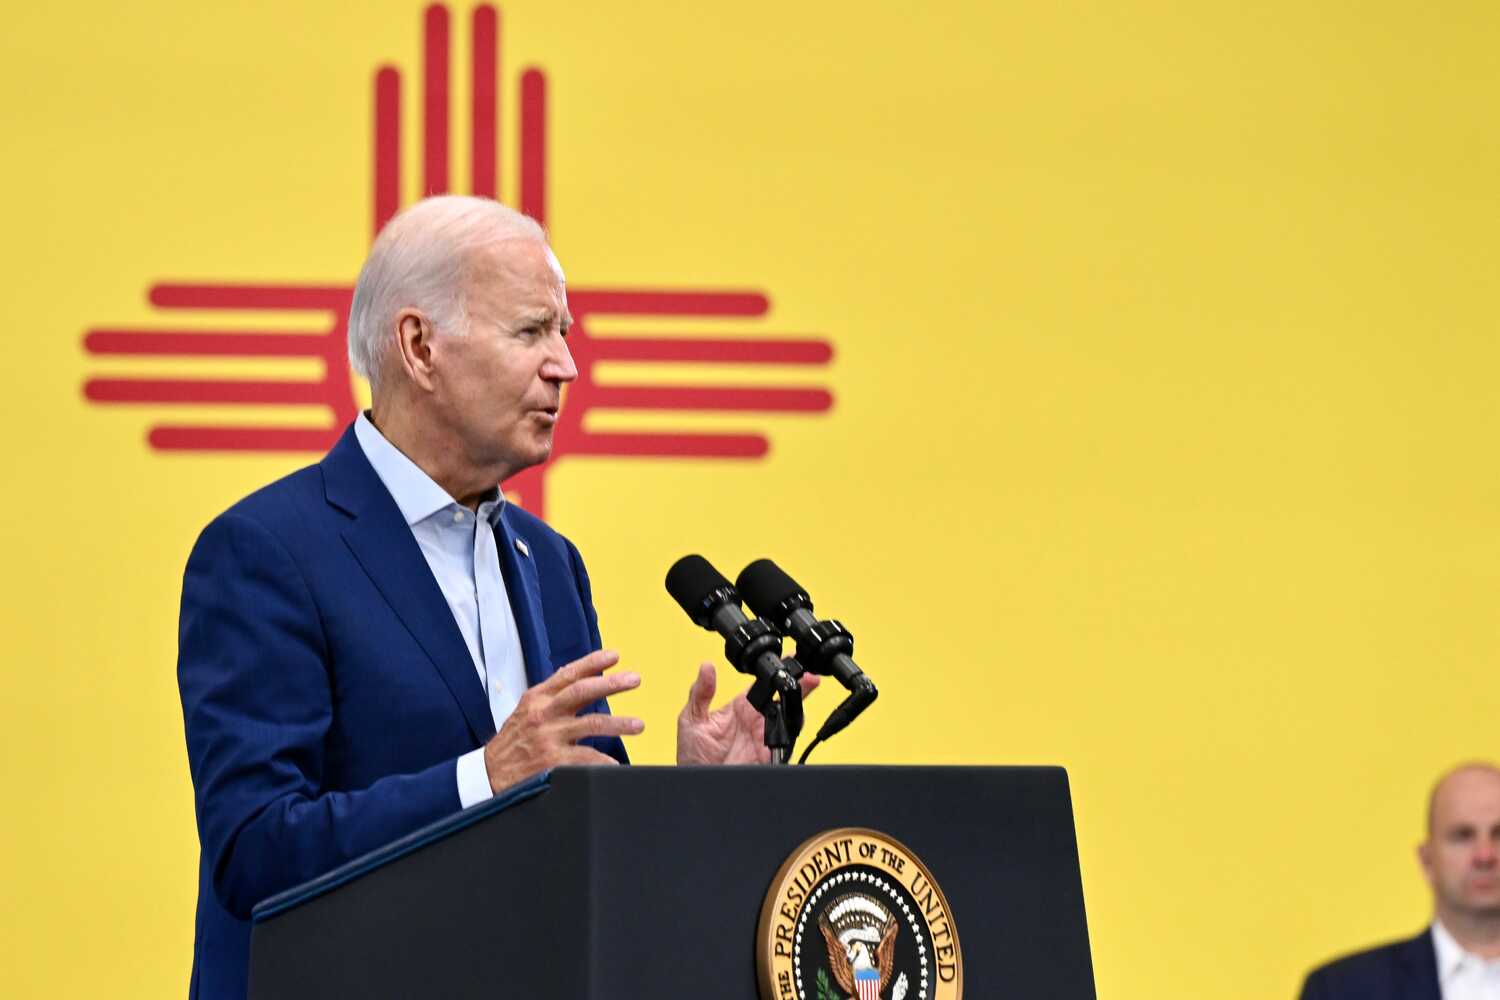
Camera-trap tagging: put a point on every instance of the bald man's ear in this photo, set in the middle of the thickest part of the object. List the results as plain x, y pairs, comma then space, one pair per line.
414, 347
1424, 857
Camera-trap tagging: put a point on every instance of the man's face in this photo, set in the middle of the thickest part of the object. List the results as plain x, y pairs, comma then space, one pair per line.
500, 387
1461, 857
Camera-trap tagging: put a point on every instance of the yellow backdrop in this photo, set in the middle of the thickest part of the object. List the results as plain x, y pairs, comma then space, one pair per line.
1162, 405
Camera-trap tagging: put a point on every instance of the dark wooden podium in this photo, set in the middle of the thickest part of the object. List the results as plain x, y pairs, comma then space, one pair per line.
648, 882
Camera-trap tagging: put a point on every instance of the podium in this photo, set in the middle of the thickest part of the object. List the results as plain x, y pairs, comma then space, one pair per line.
650, 882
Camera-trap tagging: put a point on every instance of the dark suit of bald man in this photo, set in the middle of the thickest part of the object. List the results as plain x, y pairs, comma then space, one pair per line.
1403, 970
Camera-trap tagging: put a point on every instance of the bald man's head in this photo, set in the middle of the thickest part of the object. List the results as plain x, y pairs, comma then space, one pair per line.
1461, 855
1458, 781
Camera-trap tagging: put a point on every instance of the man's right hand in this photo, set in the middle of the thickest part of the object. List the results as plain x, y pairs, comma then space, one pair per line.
544, 730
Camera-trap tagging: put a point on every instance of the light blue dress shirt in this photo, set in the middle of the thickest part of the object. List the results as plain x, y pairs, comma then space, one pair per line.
466, 564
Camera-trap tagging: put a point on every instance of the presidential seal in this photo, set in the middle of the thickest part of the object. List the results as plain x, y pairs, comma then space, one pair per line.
854, 915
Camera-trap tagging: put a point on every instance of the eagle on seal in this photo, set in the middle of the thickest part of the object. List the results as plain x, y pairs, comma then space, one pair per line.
861, 937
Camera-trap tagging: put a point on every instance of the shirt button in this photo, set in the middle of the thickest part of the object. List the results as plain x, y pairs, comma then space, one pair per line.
458, 516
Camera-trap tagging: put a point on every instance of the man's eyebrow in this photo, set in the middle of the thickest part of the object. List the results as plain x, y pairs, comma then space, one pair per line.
542, 317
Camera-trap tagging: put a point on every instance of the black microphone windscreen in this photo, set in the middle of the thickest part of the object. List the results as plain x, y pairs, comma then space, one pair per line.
764, 587
690, 580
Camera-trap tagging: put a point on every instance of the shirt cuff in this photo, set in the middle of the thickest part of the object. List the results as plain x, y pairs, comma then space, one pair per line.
473, 779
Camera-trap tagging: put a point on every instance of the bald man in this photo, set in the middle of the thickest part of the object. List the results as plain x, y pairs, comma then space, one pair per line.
380, 639
1458, 957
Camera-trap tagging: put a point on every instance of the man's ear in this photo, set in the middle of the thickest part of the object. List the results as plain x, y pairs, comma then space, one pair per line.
414, 347
1424, 857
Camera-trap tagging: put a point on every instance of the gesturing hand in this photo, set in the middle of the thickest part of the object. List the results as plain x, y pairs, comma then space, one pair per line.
544, 730
733, 734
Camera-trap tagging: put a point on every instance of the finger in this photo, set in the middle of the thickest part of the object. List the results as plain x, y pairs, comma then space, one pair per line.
585, 757
747, 715
701, 694
599, 724
582, 693
809, 683
593, 664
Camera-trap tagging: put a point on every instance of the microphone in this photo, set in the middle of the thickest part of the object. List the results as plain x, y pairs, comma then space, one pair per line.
752, 646
823, 647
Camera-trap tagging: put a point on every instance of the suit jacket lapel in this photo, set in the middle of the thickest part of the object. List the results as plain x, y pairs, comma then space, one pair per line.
1418, 961
525, 593
383, 544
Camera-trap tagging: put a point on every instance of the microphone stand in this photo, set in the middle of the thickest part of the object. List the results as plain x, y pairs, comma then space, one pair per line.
827, 648
778, 697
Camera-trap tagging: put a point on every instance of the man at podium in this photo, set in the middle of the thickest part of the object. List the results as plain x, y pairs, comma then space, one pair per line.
380, 639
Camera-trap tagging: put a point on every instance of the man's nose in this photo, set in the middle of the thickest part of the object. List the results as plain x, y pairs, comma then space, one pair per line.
1487, 852
558, 366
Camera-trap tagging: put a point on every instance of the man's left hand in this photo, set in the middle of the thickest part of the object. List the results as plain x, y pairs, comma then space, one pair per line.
733, 734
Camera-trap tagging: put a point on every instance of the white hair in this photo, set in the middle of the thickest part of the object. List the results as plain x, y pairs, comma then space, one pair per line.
421, 260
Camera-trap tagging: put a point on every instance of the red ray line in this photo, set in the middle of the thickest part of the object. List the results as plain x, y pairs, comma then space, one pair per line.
483, 173
655, 397
534, 145
671, 445
206, 343
435, 101
169, 296
240, 391
387, 152
529, 489
764, 352
622, 302
243, 438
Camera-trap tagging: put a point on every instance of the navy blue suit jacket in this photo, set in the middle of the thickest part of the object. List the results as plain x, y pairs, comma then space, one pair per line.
326, 689
1404, 970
